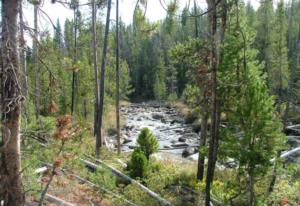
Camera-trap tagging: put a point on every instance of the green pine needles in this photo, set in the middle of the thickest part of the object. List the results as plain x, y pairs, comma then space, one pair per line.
147, 144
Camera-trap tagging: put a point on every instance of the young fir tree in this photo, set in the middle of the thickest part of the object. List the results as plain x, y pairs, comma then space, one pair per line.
253, 133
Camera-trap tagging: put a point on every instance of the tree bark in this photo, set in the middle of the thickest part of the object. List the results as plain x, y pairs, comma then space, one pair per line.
74, 74
201, 158
196, 20
36, 62
118, 78
99, 142
213, 144
95, 61
11, 99
23, 63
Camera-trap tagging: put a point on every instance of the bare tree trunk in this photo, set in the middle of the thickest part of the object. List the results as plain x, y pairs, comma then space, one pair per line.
36, 62
74, 74
11, 99
99, 141
196, 20
118, 78
201, 158
213, 144
23, 61
95, 60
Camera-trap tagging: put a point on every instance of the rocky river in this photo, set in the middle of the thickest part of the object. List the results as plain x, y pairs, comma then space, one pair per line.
177, 136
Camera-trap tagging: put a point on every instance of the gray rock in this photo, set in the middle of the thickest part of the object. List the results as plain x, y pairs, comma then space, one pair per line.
189, 151
293, 141
180, 145
132, 146
196, 127
182, 139
157, 116
126, 140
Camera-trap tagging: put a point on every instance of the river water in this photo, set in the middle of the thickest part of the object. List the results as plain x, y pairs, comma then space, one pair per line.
174, 134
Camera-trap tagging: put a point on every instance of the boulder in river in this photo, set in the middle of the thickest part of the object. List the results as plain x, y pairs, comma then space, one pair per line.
157, 116
189, 151
176, 120
190, 118
126, 140
182, 139
293, 141
179, 144
196, 127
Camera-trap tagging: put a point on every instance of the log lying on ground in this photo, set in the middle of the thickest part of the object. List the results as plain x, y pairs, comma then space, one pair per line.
116, 172
41, 170
288, 153
102, 188
176, 148
57, 201
85, 181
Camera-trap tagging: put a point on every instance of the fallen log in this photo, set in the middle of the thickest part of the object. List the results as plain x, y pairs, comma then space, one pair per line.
174, 148
40, 170
85, 181
102, 188
57, 201
288, 153
116, 172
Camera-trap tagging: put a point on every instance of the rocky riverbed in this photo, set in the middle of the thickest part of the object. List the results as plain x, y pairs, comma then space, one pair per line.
175, 134
177, 137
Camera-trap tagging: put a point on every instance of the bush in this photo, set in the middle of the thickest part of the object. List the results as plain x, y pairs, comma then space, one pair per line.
138, 165
147, 142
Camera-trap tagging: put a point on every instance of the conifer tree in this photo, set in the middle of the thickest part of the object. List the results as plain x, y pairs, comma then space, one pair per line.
279, 70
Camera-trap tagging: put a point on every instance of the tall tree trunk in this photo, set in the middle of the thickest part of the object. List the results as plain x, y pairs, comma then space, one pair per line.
196, 20
213, 144
201, 158
11, 99
118, 78
95, 61
74, 74
99, 142
23, 64
36, 62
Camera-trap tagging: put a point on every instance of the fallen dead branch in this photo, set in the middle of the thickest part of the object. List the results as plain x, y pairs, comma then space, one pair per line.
57, 201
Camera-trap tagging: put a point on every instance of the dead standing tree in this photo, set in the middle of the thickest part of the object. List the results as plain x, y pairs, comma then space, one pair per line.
11, 99
36, 61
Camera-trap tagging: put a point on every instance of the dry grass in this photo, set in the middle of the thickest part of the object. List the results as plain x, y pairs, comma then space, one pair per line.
183, 109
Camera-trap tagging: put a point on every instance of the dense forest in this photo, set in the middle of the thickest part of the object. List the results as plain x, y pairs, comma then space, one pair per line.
198, 108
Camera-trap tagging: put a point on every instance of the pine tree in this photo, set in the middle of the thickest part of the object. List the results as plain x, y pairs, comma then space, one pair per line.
265, 15
279, 70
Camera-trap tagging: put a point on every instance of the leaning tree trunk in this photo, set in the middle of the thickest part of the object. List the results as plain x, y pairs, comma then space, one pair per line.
11, 99
213, 144
104, 51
